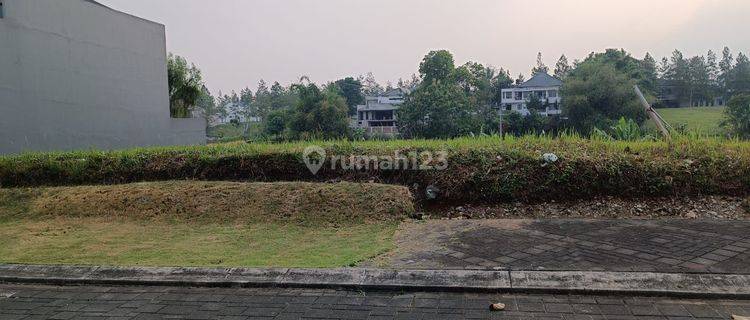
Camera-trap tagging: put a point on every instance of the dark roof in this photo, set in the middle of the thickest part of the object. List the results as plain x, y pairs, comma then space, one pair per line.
541, 79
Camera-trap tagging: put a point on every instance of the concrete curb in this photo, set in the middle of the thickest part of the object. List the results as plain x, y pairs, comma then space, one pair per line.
594, 282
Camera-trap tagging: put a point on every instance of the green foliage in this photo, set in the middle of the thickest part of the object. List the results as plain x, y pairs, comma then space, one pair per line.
738, 116
319, 113
275, 123
624, 130
437, 66
596, 94
482, 169
517, 124
436, 110
185, 86
351, 90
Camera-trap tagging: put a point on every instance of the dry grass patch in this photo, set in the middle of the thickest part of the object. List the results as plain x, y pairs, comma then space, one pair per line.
215, 202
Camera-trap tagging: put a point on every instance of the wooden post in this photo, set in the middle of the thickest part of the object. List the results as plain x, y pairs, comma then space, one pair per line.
652, 114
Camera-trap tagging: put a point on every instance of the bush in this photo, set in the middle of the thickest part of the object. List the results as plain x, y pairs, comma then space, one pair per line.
479, 169
738, 115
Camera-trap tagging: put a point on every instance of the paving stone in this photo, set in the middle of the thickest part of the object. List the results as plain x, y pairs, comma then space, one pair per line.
572, 244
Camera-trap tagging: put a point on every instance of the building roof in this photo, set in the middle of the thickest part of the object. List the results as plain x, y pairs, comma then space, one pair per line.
541, 80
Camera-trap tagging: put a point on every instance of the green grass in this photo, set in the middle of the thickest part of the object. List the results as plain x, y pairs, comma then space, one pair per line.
703, 120
480, 169
229, 131
90, 241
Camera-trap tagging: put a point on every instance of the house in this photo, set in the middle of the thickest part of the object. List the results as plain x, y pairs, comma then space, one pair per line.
378, 115
234, 112
75, 74
541, 85
668, 96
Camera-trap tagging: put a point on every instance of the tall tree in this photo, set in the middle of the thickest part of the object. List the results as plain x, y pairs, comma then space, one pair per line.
185, 86
740, 75
207, 104
596, 94
540, 66
263, 99
351, 90
562, 67
319, 113
725, 67
651, 71
370, 86
521, 79
437, 66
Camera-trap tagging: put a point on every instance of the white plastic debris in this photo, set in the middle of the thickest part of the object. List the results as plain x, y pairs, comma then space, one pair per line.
550, 158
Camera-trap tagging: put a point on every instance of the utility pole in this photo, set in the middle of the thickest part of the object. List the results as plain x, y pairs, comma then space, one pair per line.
658, 120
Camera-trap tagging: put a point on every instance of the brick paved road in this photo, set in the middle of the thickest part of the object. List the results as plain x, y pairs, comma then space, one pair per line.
48, 302
604, 245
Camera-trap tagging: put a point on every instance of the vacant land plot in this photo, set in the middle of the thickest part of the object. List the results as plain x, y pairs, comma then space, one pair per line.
703, 120
201, 224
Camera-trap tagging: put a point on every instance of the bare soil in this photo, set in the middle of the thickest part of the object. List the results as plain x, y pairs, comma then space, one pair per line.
705, 207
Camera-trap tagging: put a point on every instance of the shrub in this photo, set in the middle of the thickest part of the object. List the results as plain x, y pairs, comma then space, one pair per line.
479, 169
738, 115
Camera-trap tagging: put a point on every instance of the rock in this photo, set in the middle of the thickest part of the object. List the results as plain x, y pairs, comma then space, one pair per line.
691, 215
432, 192
501, 307
550, 158
736, 317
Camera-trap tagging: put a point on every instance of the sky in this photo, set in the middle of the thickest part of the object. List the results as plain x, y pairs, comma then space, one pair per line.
238, 42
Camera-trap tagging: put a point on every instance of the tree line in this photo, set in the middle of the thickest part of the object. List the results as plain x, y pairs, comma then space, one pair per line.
447, 101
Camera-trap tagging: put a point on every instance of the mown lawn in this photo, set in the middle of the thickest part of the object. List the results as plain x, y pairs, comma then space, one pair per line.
703, 120
97, 241
194, 223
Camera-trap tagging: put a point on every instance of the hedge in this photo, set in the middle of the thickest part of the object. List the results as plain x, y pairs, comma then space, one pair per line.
483, 169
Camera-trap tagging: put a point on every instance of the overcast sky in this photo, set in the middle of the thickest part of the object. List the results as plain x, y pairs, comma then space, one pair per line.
238, 42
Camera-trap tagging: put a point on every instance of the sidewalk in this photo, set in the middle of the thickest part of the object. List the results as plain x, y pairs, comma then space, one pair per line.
676, 246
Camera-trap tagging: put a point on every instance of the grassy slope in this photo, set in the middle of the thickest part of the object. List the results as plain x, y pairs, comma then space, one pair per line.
705, 120
201, 224
480, 169
95, 241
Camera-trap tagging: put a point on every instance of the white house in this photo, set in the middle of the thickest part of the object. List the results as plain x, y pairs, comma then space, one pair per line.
378, 114
544, 86
234, 112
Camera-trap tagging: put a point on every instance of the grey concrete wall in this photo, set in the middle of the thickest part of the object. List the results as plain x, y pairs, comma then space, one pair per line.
78, 75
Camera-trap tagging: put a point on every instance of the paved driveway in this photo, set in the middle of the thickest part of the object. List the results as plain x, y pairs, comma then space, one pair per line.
568, 244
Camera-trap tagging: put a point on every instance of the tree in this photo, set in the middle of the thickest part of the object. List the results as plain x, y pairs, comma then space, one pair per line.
650, 69
540, 66
740, 75
521, 79
185, 86
319, 113
370, 87
437, 110
262, 100
534, 103
738, 116
596, 94
562, 68
437, 66
725, 67
207, 104
276, 122
351, 90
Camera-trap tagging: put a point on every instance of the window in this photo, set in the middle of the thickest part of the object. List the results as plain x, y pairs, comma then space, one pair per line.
1, 9
508, 95
552, 93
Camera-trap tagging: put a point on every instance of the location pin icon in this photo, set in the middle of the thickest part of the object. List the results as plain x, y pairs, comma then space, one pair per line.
314, 158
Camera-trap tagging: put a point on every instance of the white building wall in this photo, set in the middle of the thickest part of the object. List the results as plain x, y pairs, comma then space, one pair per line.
77, 75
